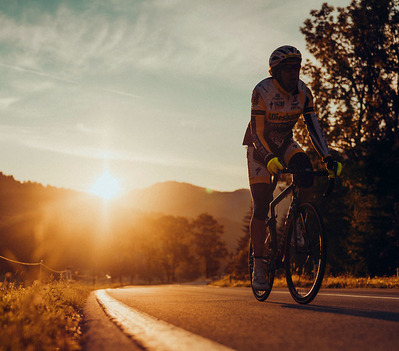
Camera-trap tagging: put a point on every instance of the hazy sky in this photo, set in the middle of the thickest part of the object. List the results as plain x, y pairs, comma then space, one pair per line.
152, 90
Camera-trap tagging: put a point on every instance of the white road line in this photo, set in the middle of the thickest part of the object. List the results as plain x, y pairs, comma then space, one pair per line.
346, 295
361, 296
152, 333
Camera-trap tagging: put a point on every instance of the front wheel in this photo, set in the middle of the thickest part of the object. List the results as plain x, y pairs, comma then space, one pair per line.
305, 254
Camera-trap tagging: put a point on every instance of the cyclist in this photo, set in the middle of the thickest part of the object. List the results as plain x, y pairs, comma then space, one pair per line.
276, 105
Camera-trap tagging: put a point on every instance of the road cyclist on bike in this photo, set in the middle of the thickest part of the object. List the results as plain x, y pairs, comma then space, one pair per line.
276, 105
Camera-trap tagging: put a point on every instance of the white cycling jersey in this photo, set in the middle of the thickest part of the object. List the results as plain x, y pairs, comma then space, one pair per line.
274, 113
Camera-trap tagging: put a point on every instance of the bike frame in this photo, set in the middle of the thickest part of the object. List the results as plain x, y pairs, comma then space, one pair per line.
272, 223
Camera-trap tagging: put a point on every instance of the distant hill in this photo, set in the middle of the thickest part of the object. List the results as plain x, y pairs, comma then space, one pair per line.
183, 199
17, 197
187, 200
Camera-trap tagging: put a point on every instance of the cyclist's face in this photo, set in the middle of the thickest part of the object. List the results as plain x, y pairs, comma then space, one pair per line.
290, 75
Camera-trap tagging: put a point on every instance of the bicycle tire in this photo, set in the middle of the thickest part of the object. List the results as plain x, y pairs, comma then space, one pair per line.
305, 262
261, 295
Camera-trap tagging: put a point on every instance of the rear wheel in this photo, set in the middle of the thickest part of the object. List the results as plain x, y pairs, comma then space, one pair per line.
305, 254
262, 295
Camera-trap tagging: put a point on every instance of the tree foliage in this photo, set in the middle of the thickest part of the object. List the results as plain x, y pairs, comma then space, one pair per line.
356, 70
208, 243
238, 264
355, 79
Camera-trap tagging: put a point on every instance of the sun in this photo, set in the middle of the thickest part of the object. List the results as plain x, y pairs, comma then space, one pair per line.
106, 186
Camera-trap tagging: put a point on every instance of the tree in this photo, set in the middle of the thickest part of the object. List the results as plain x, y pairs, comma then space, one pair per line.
175, 238
355, 78
372, 203
238, 264
208, 243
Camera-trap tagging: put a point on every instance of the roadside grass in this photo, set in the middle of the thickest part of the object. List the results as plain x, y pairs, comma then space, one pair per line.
41, 316
345, 281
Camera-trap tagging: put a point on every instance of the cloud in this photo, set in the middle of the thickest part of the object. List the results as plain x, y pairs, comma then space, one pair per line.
192, 37
36, 72
123, 93
83, 128
7, 101
64, 142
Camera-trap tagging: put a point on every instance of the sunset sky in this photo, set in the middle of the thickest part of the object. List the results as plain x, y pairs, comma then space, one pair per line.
148, 91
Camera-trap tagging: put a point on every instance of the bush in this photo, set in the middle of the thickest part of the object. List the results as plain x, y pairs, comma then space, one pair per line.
41, 317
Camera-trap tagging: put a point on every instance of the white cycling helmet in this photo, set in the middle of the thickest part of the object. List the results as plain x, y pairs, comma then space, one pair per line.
284, 53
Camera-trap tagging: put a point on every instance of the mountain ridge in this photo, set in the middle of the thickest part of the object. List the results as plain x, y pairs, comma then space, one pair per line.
188, 200
185, 199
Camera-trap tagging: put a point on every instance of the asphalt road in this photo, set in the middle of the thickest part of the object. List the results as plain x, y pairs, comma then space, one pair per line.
335, 320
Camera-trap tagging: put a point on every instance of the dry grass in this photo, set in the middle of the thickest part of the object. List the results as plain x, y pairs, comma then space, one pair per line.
328, 282
41, 317
353, 282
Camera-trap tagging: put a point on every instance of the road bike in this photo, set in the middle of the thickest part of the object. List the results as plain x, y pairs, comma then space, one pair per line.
301, 247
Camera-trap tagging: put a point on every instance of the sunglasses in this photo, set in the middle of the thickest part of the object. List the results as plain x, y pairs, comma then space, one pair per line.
290, 67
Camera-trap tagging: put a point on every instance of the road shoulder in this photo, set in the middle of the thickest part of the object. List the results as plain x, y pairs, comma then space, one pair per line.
100, 332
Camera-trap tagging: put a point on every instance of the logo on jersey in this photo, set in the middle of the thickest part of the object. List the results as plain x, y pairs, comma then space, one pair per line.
283, 116
277, 103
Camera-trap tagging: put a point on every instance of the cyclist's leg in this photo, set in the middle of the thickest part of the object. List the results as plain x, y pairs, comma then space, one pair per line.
262, 194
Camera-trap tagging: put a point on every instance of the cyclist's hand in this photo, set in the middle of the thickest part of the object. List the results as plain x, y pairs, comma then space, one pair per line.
334, 167
274, 165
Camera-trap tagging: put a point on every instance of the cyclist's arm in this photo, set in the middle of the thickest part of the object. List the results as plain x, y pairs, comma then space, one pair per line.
258, 112
312, 124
